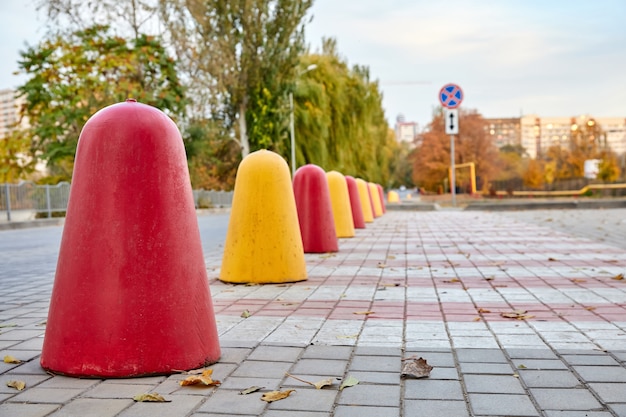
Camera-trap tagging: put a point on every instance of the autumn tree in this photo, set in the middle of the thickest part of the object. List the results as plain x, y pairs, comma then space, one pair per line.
71, 76
432, 158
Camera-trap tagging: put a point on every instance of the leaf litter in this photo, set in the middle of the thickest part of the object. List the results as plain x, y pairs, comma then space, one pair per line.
415, 368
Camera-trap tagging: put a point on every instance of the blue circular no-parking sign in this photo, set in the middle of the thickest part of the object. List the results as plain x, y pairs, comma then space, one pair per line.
451, 96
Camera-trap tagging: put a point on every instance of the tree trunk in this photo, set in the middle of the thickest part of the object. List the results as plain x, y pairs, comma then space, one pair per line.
243, 133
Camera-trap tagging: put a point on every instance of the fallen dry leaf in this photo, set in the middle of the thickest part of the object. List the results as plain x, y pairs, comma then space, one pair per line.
250, 390
452, 280
489, 278
575, 280
8, 325
11, 359
552, 259
366, 313
416, 368
203, 379
484, 310
521, 366
618, 277
381, 265
517, 314
477, 319
276, 395
18, 385
152, 397
245, 314
348, 382
319, 384
590, 308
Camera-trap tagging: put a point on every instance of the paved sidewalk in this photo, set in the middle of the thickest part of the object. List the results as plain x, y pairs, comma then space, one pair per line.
434, 285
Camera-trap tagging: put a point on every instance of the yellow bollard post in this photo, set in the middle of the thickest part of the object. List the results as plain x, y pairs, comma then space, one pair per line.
374, 194
366, 203
263, 243
340, 201
393, 197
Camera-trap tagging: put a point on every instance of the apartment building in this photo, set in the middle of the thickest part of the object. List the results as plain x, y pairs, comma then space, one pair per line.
536, 134
9, 111
405, 131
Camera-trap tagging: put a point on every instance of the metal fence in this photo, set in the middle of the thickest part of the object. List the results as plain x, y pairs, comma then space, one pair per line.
27, 200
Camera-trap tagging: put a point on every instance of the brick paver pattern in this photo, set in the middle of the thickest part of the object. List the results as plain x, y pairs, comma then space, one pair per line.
412, 284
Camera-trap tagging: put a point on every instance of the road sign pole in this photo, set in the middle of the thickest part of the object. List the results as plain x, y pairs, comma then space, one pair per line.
452, 172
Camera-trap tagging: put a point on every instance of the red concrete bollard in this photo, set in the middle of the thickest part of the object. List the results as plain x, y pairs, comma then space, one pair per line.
315, 212
130, 295
355, 203
381, 194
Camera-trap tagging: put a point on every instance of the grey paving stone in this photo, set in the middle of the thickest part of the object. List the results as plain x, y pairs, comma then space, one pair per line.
179, 405
276, 353
307, 400
435, 408
620, 355
601, 373
486, 368
361, 411
29, 380
610, 393
109, 390
293, 413
374, 395
31, 368
257, 369
233, 355
146, 380
502, 405
365, 377
565, 399
433, 358
427, 389
496, 384
328, 352
59, 381
539, 364
444, 373
230, 402
559, 413
481, 355
531, 353
241, 383
236, 343
46, 395
549, 379
27, 410
376, 363
292, 382
603, 360
377, 351
328, 368
83, 407
618, 409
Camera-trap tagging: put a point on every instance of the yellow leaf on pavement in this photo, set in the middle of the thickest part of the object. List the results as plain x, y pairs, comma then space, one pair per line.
276, 395
11, 359
152, 397
202, 379
18, 385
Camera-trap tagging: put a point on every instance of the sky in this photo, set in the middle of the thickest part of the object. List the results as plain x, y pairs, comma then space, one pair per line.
551, 58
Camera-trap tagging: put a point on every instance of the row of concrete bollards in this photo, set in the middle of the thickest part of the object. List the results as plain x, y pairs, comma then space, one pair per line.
273, 223
131, 295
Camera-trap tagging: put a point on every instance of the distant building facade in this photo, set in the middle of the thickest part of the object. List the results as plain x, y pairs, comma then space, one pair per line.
537, 134
405, 131
9, 111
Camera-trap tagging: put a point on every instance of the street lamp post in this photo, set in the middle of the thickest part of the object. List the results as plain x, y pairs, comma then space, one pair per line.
291, 123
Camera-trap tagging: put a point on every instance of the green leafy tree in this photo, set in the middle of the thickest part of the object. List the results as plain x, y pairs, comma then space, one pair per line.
339, 120
242, 57
72, 76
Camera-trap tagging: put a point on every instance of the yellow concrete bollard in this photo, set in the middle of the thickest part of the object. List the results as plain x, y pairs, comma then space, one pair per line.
263, 243
340, 201
393, 197
378, 207
366, 203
